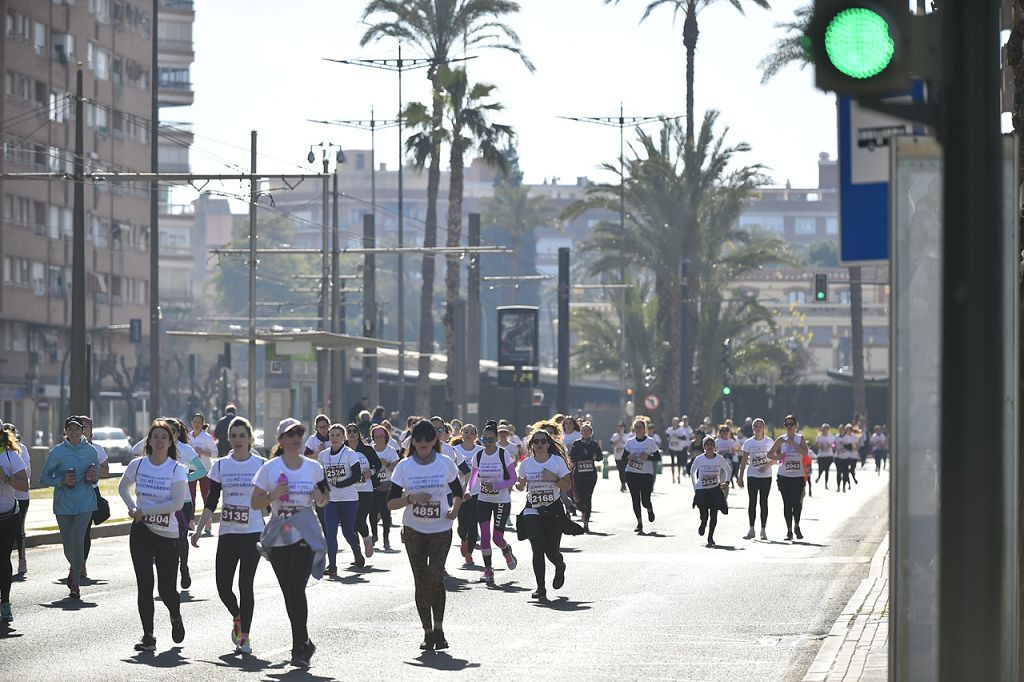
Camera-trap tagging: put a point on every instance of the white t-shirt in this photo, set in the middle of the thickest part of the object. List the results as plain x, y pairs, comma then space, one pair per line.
687, 435
757, 457
846, 447
315, 445
676, 438
724, 447
571, 438
468, 456
205, 446
640, 447
301, 483
792, 463
101, 457
618, 441
541, 493
154, 486
656, 438
364, 466
337, 468
26, 457
512, 449
433, 478
389, 455
708, 473
235, 477
879, 441
489, 472
826, 444
11, 463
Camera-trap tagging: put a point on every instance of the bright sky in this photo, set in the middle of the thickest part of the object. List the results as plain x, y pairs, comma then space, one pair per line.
259, 66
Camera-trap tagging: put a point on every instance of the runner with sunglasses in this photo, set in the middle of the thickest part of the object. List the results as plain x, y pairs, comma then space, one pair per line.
370, 464
342, 470
493, 475
789, 450
543, 474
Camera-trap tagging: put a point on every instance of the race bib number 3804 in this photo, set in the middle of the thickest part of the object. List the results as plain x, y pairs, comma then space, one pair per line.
157, 520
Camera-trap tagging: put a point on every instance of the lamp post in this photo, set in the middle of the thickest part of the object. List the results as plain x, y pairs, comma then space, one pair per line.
620, 122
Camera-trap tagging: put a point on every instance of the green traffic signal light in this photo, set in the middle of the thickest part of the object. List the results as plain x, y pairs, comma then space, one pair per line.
821, 295
858, 43
726, 390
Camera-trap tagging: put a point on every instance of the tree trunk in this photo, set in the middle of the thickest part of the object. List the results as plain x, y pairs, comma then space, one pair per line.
426, 346
687, 314
453, 272
690, 34
860, 403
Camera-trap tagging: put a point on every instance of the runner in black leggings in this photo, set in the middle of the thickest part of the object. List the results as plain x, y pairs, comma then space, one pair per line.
583, 454
640, 454
543, 474
759, 476
789, 450
826, 454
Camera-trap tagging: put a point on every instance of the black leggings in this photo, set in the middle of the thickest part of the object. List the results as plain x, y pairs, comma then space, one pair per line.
713, 511
427, 554
585, 484
147, 548
843, 473
469, 531
640, 488
379, 512
238, 550
620, 464
546, 538
758, 487
292, 566
363, 514
792, 489
9, 530
824, 464
23, 515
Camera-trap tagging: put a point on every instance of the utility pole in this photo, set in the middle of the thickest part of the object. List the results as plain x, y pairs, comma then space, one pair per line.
620, 122
253, 197
337, 312
562, 403
323, 376
79, 352
154, 219
473, 315
370, 384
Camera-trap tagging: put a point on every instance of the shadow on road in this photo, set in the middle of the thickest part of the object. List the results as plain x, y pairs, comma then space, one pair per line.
7, 632
510, 588
562, 604
439, 660
171, 658
453, 584
298, 674
186, 598
729, 548
654, 534
600, 535
807, 544
248, 664
67, 604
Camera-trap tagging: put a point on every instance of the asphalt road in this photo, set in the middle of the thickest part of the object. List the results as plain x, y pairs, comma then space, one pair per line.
659, 607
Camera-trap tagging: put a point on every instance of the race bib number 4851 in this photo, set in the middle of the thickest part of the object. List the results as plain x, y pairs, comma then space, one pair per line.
431, 511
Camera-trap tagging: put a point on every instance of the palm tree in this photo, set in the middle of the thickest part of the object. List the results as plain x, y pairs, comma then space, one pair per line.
689, 9
789, 50
468, 111
437, 28
512, 209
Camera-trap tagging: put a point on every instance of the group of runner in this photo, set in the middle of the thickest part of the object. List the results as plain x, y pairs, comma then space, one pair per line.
289, 507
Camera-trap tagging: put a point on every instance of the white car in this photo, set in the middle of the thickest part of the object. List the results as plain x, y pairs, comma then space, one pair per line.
114, 441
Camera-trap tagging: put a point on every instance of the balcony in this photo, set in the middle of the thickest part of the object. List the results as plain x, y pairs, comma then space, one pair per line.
178, 47
175, 93
178, 6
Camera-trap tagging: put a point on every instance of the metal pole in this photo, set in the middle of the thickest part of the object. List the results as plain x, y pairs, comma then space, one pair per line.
401, 243
79, 357
974, 587
370, 311
323, 379
154, 220
622, 262
473, 331
563, 331
253, 196
336, 356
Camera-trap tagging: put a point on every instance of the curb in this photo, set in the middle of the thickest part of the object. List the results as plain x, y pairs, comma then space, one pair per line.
830, 647
104, 530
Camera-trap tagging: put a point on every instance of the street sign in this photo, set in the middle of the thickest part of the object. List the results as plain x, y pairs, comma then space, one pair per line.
864, 138
42, 404
652, 402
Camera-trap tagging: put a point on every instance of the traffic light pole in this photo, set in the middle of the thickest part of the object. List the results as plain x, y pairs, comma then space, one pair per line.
977, 571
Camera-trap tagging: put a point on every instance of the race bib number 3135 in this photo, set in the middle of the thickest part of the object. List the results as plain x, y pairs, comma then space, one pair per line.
235, 516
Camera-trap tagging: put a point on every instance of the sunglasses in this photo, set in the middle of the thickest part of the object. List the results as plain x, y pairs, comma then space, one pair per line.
541, 441
790, 423
423, 440
292, 433
487, 439
352, 432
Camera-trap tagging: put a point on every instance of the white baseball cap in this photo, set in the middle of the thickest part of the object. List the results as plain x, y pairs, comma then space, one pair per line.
287, 424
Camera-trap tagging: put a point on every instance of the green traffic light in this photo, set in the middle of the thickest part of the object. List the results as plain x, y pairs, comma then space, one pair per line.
726, 390
858, 43
821, 295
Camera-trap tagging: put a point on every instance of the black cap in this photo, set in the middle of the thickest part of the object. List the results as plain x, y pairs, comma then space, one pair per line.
77, 421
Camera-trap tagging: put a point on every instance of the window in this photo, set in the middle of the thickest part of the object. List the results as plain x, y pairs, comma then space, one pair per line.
805, 226
768, 223
56, 281
8, 270
40, 93
40, 39
38, 279
24, 27
63, 47
101, 64
360, 162
101, 8
176, 78
9, 83
117, 70
797, 297
60, 107
9, 23
831, 225
844, 297
15, 336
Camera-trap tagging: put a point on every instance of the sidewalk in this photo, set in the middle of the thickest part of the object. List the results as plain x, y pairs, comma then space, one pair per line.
857, 647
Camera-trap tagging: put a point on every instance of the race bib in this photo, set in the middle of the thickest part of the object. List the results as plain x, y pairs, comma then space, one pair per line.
585, 465
759, 461
487, 488
635, 464
709, 481
848, 446
235, 516
335, 473
288, 511
157, 520
793, 466
431, 511
541, 498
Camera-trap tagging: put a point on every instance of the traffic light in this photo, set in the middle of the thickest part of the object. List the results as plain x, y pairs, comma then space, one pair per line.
860, 47
726, 390
727, 354
821, 288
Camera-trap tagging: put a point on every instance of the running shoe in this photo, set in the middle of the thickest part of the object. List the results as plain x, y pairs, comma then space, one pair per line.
711, 543
147, 643
439, 641
236, 631
368, 547
559, 578
764, 535
428, 641
331, 571
75, 591
244, 645
539, 594
186, 579
750, 534
305, 655
510, 558
387, 545
464, 548
359, 561
650, 514
178, 630
22, 566
469, 559
6, 615
488, 576
799, 535
789, 535
701, 528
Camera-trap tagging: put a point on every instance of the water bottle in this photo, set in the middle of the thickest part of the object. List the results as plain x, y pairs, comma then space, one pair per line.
283, 479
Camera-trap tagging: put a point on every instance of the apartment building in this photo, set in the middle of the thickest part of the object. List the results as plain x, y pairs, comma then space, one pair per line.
42, 44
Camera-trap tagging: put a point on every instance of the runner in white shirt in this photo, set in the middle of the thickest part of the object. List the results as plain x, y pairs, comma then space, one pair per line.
22, 496
676, 439
426, 484
789, 451
291, 484
319, 440
543, 474
389, 458
494, 474
505, 442
618, 443
846, 456
826, 446
687, 437
759, 476
161, 490
468, 528
710, 474
13, 479
879, 448
640, 453
104, 471
343, 468
570, 432
240, 528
